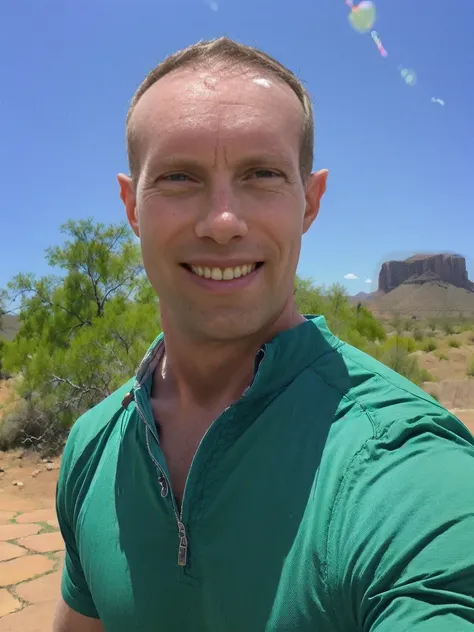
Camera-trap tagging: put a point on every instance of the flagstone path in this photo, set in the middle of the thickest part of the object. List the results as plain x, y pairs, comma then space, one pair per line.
31, 546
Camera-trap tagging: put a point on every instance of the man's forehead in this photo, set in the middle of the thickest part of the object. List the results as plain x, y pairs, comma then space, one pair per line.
195, 98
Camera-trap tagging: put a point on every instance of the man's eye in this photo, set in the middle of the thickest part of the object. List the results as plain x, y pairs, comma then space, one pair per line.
176, 177
265, 173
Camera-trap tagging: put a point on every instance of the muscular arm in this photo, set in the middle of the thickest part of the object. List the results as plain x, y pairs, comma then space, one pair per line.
67, 620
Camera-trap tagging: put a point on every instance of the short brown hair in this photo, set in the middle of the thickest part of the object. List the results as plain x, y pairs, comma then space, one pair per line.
228, 53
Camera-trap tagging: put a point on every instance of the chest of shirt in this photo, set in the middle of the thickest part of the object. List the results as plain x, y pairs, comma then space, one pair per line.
255, 518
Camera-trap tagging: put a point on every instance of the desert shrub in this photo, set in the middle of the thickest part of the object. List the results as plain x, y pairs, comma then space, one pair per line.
399, 341
433, 325
454, 343
429, 344
397, 324
447, 327
467, 325
354, 324
442, 356
418, 334
32, 424
396, 354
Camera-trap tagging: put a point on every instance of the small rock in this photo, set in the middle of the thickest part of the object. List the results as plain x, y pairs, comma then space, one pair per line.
1, 470
49, 466
20, 485
35, 473
15, 483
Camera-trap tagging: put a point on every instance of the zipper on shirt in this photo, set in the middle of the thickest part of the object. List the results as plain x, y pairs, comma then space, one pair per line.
164, 482
165, 487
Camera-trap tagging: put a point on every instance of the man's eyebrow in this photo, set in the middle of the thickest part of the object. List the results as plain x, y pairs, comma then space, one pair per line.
181, 161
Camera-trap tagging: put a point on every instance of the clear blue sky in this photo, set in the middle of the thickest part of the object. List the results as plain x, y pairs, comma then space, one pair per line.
401, 167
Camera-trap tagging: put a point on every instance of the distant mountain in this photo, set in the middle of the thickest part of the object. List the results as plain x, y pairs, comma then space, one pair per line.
447, 267
362, 297
422, 286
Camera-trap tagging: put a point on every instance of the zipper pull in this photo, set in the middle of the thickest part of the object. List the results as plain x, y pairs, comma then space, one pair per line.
183, 545
163, 485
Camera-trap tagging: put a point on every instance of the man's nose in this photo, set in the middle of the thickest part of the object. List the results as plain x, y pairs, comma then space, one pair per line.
221, 220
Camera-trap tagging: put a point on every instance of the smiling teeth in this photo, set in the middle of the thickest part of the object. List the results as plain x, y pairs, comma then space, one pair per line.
224, 274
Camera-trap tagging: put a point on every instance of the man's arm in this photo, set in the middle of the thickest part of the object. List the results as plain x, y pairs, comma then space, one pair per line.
76, 610
400, 547
67, 620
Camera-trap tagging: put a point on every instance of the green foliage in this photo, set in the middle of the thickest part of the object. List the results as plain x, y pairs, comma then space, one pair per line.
453, 342
467, 324
418, 334
82, 333
442, 356
429, 344
352, 323
396, 354
447, 327
433, 325
2, 343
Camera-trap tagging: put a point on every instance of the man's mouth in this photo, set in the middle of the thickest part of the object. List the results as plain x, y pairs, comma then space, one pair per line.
224, 274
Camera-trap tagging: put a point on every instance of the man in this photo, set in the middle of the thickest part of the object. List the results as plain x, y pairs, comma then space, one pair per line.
258, 474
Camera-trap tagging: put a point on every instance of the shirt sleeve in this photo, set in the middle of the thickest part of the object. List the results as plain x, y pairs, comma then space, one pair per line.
74, 588
400, 552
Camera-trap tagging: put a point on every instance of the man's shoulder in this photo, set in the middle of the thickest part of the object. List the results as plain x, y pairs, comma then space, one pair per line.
90, 425
384, 397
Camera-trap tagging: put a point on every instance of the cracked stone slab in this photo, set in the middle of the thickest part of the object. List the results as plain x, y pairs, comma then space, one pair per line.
15, 531
23, 568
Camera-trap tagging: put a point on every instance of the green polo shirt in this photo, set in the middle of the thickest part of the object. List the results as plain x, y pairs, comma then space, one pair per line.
333, 496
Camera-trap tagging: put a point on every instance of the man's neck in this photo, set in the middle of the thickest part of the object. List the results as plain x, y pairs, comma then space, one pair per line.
209, 374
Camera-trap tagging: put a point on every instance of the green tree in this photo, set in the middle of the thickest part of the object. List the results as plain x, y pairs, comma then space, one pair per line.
83, 331
353, 323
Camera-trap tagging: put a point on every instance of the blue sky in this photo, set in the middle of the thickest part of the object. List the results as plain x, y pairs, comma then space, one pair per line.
401, 167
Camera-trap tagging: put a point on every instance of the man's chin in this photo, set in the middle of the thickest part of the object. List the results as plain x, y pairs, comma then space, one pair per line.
228, 327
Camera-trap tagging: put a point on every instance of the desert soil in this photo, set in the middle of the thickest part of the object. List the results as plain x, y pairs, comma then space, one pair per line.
31, 546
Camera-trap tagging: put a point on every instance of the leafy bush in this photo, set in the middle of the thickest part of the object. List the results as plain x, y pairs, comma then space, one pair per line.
396, 354
448, 327
433, 325
441, 356
453, 342
429, 345
82, 334
418, 334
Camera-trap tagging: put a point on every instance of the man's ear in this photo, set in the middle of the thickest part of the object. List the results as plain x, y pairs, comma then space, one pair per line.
127, 195
315, 189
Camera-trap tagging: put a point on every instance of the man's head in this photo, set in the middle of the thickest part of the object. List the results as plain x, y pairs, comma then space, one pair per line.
220, 144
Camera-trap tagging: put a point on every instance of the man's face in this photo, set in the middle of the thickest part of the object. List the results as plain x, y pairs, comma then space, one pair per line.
219, 205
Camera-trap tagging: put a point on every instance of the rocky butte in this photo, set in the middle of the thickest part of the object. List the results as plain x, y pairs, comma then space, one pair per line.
447, 267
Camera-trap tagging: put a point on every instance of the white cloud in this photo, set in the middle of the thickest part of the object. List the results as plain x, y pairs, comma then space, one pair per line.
212, 5
350, 276
368, 281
